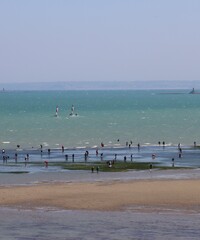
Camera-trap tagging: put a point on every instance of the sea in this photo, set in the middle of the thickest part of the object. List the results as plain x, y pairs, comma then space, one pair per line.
116, 118
102, 116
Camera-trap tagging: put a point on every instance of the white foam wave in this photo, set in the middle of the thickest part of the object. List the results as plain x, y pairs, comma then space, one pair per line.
95, 146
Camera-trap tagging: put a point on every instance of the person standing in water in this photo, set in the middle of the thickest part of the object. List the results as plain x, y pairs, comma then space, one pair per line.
73, 111
57, 109
72, 108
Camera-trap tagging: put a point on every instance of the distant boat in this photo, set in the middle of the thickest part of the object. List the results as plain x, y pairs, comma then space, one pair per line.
194, 92
3, 90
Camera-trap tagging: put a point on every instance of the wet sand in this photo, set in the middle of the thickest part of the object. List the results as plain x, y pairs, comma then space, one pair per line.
110, 195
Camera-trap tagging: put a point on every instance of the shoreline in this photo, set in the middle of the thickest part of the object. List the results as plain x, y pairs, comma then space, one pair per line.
84, 176
108, 146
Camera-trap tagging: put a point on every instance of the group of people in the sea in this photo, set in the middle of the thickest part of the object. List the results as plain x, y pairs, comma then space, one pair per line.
67, 157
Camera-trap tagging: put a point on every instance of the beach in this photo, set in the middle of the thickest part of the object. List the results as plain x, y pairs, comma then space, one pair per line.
161, 204
107, 195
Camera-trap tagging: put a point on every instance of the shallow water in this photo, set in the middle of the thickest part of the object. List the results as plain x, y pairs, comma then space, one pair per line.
84, 225
8, 179
36, 162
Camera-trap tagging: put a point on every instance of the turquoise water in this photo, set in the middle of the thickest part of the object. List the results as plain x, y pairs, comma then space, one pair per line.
27, 118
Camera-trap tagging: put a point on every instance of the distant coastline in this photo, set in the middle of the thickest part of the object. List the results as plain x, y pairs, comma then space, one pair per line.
104, 85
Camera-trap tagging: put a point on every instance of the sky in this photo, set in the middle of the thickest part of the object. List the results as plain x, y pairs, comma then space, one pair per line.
105, 40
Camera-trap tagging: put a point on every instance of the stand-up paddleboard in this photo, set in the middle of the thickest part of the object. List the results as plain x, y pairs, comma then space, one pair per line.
73, 114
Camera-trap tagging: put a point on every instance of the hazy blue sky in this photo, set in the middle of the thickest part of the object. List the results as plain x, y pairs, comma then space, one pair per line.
99, 40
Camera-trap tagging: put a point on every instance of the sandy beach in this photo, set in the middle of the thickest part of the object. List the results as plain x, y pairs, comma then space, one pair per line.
82, 205
110, 195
